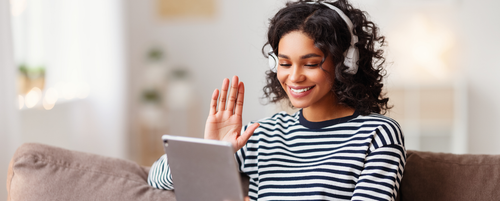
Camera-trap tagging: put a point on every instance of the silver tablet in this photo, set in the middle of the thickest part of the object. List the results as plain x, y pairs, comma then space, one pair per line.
203, 169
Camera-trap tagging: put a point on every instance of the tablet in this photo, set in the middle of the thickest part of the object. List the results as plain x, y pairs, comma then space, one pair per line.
203, 169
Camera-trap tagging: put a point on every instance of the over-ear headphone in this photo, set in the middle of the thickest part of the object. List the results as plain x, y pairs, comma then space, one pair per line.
351, 55
273, 61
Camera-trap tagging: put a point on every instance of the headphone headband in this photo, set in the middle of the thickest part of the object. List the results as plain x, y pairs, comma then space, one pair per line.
351, 55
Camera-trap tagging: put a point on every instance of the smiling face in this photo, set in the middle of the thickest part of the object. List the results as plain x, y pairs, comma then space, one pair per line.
307, 85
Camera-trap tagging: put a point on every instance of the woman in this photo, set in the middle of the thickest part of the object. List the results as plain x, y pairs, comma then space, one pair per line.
324, 60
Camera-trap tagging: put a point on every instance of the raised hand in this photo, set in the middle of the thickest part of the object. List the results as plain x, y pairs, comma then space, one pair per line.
224, 122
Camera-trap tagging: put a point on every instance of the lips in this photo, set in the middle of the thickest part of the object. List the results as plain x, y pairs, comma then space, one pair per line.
298, 92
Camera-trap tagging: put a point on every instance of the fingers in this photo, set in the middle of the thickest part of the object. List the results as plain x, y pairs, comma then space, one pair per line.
239, 101
236, 96
213, 102
233, 93
223, 95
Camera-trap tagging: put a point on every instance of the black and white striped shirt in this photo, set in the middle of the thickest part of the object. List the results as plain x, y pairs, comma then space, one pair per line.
289, 158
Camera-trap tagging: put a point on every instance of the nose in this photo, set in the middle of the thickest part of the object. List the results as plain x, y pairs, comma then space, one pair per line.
296, 74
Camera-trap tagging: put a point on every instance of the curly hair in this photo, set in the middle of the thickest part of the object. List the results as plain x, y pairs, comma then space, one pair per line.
361, 91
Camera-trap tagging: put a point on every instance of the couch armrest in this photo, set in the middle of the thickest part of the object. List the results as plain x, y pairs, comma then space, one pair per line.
42, 172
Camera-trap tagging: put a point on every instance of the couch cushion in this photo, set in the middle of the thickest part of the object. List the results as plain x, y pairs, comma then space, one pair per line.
41, 172
440, 176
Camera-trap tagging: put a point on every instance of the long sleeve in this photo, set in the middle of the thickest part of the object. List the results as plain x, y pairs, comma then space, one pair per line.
382, 174
159, 175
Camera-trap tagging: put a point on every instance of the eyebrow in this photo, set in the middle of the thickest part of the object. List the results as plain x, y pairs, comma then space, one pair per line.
307, 56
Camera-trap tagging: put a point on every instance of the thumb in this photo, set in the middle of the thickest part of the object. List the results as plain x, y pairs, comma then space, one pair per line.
242, 140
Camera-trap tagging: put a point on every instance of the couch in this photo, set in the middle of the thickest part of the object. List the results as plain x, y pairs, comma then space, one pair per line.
41, 172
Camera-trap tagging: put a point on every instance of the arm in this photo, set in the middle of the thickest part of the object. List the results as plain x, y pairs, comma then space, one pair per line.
224, 121
159, 175
382, 174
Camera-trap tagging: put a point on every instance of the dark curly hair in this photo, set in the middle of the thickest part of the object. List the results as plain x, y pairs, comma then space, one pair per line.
361, 91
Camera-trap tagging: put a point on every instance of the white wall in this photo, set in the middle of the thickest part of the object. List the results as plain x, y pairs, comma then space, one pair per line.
8, 109
479, 22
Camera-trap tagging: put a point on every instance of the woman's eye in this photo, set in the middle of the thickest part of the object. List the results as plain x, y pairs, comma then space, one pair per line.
285, 64
312, 65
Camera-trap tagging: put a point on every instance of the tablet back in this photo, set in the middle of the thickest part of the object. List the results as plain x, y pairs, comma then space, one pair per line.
202, 169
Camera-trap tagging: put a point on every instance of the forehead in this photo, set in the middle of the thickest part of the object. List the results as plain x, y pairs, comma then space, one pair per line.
297, 43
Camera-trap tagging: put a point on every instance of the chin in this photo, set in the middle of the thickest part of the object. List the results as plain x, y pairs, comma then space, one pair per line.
298, 105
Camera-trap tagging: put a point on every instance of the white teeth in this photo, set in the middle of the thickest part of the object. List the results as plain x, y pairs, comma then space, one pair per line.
301, 90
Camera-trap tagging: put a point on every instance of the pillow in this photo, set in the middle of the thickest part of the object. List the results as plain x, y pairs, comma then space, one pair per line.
42, 172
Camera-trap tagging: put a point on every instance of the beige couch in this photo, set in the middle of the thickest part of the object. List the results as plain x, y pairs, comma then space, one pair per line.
40, 172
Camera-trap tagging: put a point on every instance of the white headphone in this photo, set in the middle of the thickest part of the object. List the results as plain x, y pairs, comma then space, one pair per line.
351, 55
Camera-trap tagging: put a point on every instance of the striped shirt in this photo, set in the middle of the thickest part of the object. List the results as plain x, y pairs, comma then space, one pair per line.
289, 158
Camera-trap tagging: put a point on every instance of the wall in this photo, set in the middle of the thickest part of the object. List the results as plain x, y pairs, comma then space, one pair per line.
8, 110
479, 27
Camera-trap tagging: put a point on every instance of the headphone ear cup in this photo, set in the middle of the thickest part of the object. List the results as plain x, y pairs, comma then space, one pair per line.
351, 57
273, 61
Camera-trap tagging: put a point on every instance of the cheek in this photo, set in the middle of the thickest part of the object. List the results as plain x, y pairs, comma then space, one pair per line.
281, 77
327, 78
324, 79
282, 80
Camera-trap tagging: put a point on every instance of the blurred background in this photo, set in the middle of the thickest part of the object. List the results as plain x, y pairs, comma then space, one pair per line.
110, 76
